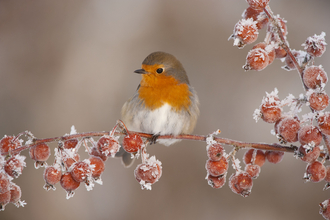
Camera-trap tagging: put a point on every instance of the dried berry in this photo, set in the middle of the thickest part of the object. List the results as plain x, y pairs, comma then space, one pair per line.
98, 166
81, 171
288, 129
258, 4
315, 46
217, 168
324, 123
70, 144
308, 134
253, 170
14, 166
241, 183
9, 143
52, 175
69, 184
270, 109
215, 151
325, 209
257, 59
315, 172
308, 154
274, 156
245, 32
40, 152
148, 173
108, 145
216, 181
253, 156
318, 101
15, 193
4, 183
132, 143
314, 77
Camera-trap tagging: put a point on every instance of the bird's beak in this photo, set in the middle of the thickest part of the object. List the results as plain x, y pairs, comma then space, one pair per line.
140, 71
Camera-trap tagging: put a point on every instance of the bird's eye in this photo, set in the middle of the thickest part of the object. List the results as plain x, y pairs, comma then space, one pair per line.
159, 70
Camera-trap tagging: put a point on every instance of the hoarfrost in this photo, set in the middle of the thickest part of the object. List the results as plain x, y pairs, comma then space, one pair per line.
210, 140
257, 115
236, 164
73, 130
145, 185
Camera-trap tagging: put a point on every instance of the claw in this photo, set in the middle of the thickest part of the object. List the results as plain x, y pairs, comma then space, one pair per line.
154, 138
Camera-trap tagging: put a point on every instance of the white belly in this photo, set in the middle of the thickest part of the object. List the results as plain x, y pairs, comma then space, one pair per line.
161, 121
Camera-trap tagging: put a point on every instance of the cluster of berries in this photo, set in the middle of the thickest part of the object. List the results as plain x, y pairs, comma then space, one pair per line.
311, 128
150, 170
246, 31
68, 168
10, 168
240, 182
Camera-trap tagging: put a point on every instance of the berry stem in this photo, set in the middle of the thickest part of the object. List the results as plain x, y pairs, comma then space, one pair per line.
284, 43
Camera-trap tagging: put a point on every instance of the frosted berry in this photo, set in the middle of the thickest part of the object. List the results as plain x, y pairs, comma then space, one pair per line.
270, 109
257, 59
15, 193
52, 175
9, 143
108, 145
217, 168
70, 144
280, 52
132, 143
258, 4
324, 123
307, 154
314, 77
316, 45
252, 157
4, 199
40, 152
283, 26
288, 61
253, 170
318, 101
216, 182
81, 171
288, 129
68, 183
98, 166
4, 183
316, 171
14, 166
268, 48
245, 32
308, 134
215, 151
274, 156
241, 183
325, 209
257, 15
148, 173
95, 152
69, 160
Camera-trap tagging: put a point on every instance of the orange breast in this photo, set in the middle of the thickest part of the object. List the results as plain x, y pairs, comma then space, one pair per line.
156, 90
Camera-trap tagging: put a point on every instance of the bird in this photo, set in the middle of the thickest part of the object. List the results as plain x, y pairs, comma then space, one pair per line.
164, 103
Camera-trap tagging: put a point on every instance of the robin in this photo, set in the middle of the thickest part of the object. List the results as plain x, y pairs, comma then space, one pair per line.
164, 102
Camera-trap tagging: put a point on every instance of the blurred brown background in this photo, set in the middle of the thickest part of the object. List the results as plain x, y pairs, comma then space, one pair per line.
66, 63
